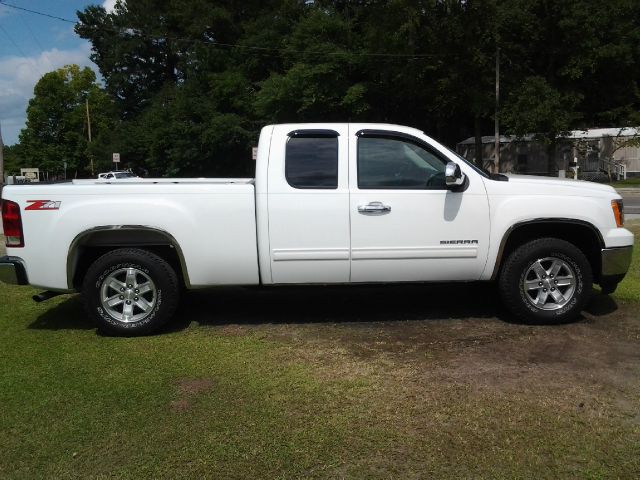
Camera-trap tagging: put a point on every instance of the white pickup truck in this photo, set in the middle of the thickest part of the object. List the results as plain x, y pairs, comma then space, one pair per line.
332, 203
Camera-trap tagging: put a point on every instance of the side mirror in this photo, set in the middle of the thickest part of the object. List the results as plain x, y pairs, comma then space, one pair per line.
453, 175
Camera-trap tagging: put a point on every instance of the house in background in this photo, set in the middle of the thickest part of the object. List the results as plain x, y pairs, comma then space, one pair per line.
599, 151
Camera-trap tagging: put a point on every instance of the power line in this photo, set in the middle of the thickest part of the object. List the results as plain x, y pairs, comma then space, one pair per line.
12, 41
24, 21
263, 50
35, 12
20, 51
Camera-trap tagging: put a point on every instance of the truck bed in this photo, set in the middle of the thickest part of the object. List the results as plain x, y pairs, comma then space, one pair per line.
212, 220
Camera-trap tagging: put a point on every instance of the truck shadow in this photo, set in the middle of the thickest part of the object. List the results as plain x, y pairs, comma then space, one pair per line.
337, 304
352, 304
67, 315
320, 304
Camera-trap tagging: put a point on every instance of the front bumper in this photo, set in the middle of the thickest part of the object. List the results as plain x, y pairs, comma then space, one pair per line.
12, 271
615, 263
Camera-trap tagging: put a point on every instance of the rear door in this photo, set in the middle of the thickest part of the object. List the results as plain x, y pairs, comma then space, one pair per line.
308, 204
405, 224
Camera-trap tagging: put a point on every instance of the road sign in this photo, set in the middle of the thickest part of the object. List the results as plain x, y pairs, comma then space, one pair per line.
116, 158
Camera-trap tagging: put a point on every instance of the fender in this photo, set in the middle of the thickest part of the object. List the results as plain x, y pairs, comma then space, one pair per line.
167, 238
515, 226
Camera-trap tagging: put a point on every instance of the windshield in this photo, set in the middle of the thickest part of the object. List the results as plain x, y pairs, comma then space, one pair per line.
125, 175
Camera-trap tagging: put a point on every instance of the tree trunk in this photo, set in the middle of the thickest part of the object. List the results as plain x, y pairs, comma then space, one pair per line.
551, 158
478, 143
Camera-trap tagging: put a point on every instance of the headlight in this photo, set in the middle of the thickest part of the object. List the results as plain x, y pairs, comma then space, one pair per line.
618, 211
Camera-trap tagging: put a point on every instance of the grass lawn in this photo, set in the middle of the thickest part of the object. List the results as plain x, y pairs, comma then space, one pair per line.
629, 289
284, 384
629, 182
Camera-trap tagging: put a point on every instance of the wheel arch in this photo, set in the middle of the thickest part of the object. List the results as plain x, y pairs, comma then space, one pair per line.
90, 244
582, 234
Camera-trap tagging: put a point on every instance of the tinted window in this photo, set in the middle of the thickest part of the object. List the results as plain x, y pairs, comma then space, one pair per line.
312, 162
395, 163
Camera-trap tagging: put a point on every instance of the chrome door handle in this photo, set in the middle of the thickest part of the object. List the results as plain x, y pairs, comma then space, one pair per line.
374, 208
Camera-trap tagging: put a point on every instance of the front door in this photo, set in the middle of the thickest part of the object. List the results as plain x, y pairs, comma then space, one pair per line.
405, 224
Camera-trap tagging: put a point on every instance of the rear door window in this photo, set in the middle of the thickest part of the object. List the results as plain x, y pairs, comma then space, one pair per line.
311, 161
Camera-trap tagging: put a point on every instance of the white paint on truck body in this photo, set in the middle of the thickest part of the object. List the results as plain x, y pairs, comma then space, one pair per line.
246, 232
213, 224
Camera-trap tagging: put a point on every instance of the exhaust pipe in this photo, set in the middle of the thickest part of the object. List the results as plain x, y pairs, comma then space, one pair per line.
41, 297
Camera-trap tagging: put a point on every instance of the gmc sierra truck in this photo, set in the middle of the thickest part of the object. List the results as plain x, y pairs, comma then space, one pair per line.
331, 203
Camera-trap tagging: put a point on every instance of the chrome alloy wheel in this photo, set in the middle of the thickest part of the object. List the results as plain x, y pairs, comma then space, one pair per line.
549, 283
128, 295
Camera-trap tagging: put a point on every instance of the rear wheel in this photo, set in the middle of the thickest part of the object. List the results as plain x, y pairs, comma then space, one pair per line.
547, 280
130, 292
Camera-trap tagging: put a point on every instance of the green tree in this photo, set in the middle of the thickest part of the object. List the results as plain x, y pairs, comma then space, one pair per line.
56, 129
182, 97
194, 80
315, 86
14, 159
190, 130
577, 69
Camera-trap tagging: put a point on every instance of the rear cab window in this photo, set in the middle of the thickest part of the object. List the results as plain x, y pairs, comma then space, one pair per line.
311, 159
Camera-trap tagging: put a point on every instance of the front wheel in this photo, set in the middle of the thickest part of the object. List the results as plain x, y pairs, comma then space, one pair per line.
130, 292
546, 281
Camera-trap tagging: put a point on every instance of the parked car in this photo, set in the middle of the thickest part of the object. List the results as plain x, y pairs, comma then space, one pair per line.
330, 204
117, 175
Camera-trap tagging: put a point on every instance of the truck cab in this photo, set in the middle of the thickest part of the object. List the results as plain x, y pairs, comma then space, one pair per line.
353, 203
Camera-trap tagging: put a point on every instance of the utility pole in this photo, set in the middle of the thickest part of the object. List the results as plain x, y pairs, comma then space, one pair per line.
497, 129
1, 158
89, 134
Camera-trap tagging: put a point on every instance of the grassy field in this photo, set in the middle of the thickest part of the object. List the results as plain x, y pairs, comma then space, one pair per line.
629, 182
322, 383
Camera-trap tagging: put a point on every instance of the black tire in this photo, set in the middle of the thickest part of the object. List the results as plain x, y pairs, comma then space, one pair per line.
154, 273
519, 267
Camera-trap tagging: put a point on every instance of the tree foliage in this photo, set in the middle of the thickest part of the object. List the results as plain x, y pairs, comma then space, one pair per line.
14, 160
192, 81
56, 130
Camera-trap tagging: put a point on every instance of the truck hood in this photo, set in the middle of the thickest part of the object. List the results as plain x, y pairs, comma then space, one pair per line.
549, 185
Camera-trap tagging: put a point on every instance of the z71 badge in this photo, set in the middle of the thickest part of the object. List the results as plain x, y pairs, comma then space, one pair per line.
43, 205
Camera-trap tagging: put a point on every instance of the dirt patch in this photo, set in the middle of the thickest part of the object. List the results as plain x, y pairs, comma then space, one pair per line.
529, 393
180, 405
428, 374
187, 391
413, 334
232, 330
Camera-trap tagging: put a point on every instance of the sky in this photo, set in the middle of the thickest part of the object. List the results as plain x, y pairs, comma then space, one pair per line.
32, 45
